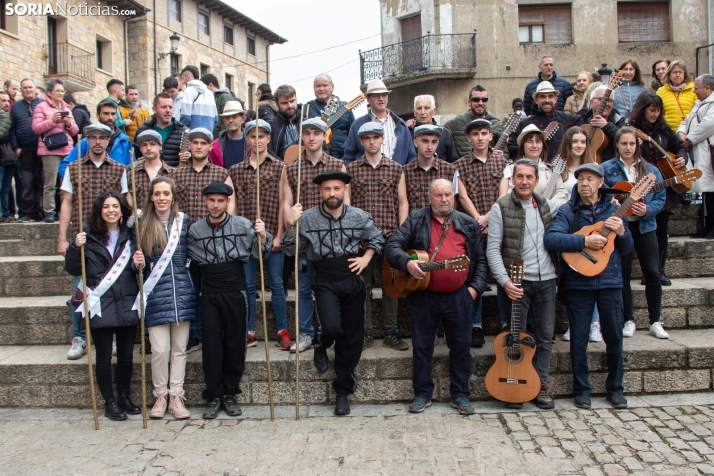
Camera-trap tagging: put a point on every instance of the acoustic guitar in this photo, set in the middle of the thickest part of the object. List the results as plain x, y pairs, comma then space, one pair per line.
183, 147
511, 126
597, 139
512, 377
686, 177
589, 262
399, 285
666, 164
559, 165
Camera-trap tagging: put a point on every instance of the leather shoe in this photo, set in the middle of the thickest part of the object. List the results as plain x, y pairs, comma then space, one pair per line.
320, 359
112, 410
617, 400
342, 407
127, 405
582, 401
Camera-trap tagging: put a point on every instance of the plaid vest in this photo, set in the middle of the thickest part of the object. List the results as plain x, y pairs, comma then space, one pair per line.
95, 181
375, 190
418, 180
243, 176
481, 180
310, 192
143, 182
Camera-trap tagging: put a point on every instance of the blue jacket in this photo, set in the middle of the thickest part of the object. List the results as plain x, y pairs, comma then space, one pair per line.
560, 237
119, 152
615, 172
340, 128
631, 92
21, 133
403, 152
562, 85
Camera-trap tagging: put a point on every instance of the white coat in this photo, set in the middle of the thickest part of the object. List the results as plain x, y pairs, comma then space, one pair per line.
699, 129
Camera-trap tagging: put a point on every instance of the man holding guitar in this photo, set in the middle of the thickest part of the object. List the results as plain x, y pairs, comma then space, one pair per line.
324, 88
518, 223
607, 121
587, 207
443, 233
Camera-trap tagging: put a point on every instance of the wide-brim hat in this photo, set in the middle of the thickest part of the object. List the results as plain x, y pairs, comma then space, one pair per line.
232, 108
376, 86
527, 130
545, 87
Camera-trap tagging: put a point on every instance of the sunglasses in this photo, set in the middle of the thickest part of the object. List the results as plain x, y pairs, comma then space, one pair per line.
478, 99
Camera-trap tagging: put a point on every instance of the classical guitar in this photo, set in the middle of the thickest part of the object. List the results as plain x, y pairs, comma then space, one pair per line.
559, 165
399, 285
666, 164
512, 377
589, 262
183, 147
293, 152
686, 177
596, 137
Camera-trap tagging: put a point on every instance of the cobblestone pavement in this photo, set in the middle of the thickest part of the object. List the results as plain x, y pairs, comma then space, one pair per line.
658, 435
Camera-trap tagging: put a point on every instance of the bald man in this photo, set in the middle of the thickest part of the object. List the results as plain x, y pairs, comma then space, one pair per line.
324, 89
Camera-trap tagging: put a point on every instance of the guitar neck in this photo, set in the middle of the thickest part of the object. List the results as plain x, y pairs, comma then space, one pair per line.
621, 212
516, 322
435, 266
342, 111
598, 112
510, 127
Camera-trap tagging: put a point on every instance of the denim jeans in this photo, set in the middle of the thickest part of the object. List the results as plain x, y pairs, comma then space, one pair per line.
5, 190
580, 311
305, 302
273, 266
76, 316
478, 318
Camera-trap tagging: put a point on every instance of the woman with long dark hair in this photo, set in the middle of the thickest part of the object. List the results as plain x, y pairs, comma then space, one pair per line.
630, 88
532, 145
170, 297
111, 289
677, 94
631, 167
647, 117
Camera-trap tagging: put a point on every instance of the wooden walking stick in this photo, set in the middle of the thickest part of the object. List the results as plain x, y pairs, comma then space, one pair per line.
84, 286
262, 274
141, 288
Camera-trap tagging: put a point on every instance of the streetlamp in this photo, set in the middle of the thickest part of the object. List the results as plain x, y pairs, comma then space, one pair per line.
174, 39
605, 73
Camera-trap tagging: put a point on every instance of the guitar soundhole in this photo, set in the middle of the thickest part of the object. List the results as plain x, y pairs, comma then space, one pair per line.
514, 356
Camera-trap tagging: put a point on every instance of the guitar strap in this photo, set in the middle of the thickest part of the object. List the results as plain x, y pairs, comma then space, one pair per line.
447, 225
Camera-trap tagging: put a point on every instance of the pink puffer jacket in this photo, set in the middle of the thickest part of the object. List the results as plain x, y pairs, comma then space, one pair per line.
42, 124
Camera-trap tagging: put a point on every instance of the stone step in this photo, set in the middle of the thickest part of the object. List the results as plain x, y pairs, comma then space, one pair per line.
19, 247
41, 376
34, 276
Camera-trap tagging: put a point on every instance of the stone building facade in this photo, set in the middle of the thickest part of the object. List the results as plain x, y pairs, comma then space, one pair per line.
510, 36
87, 50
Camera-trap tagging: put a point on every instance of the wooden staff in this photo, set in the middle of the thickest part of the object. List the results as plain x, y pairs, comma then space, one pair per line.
141, 288
84, 286
262, 273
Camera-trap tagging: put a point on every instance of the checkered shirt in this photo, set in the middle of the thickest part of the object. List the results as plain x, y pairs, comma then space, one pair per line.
310, 192
418, 180
243, 176
190, 184
95, 181
481, 179
143, 182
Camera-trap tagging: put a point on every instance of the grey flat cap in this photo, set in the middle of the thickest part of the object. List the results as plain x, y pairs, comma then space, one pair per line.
593, 167
200, 133
261, 125
427, 129
97, 127
315, 123
475, 123
371, 128
148, 135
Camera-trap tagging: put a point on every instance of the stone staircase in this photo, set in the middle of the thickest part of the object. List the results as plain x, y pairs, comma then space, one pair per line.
35, 334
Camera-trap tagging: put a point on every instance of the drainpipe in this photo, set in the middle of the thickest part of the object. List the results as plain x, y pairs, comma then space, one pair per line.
267, 62
709, 33
156, 83
126, 46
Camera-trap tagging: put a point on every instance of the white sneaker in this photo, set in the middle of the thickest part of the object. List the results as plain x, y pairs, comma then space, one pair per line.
78, 349
595, 334
629, 329
657, 331
305, 342
114, 346
566, 336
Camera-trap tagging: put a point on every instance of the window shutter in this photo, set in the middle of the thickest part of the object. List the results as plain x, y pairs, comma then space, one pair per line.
557, 25
643, 22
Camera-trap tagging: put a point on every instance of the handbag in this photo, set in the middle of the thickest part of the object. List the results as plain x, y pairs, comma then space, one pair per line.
55, 141
7, 155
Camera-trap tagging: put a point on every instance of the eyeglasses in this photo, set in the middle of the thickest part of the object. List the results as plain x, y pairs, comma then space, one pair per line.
478, 99
609, 101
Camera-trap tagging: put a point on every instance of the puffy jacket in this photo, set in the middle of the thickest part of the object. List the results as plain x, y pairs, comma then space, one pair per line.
575, 102
415, 233
198, 107
174, 296
5, 125
119, 152
458, 123
699, 129
403, 152
267, 108
118, 300
142, 115
446, 150
615, 172
541, 119
278, 135
631, 91
221, 96
21, 134
560, 237
614, 123
43, 125
340, 129
172, 145
82, 117
216, 153
676, 107
562, 85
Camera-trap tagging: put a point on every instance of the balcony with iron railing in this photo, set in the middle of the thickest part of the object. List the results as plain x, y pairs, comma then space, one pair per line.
71, 64
427, 58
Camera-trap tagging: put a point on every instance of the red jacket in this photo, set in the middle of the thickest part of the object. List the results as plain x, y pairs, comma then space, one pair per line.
42, 124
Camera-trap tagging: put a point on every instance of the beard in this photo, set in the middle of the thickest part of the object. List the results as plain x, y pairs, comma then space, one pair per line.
332, 203
440, 213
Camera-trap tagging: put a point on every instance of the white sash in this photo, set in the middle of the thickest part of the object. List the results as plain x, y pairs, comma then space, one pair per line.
164, 261
93, 295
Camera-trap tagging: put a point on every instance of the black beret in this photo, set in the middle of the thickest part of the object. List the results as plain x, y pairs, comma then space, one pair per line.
332, 175
220, 188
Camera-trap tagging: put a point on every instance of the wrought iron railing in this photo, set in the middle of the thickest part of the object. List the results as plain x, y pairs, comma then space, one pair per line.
428, 54
65, 58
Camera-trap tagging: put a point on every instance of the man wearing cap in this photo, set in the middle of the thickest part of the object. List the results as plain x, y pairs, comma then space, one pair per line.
482, 179
542, 113
221, 245
516, 228
424, 110
333, 234
427, 167
397, 144
148, 167
170, 130
478, 109
547, 73
586, 207
99, 174
379, 188
313, 162
229, 148
243, 176
609, 121
324, 88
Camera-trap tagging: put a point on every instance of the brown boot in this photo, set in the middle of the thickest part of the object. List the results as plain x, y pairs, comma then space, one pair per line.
159, 409
177, 407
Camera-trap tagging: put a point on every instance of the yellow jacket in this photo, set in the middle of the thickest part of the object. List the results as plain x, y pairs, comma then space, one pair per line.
676, 107
142, 116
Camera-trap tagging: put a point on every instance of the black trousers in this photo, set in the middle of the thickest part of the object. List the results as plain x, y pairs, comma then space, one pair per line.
648, 256
341, 314
662, 231
32, 179
103, 339
224, 318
